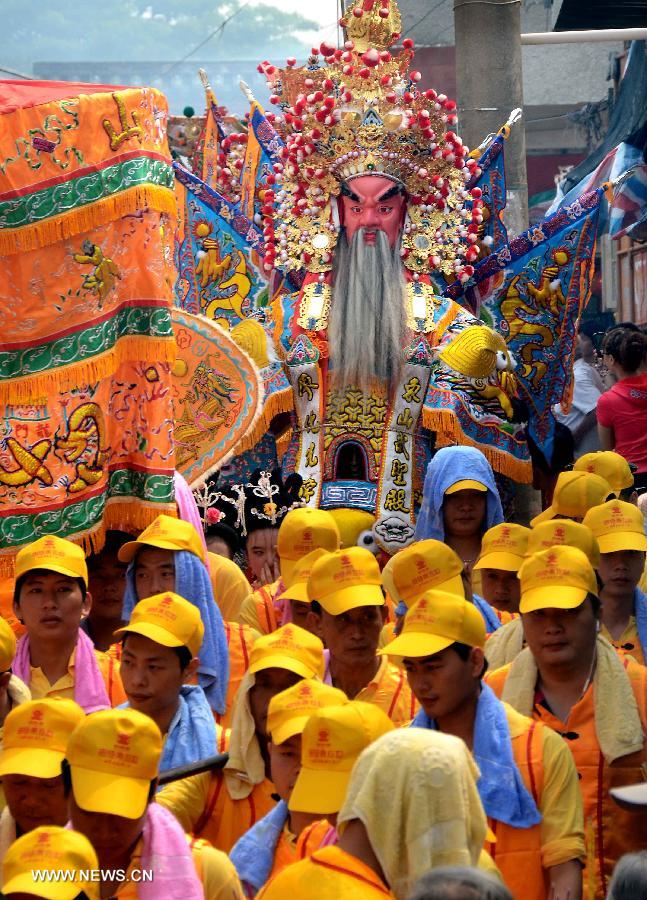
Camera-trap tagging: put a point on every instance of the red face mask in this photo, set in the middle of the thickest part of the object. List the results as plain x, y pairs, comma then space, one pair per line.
374, 206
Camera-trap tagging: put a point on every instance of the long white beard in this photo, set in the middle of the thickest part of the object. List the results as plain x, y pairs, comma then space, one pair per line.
367, 323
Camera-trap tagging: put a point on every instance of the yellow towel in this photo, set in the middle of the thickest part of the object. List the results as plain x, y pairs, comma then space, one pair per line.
504, 644
415, 791
245, 767
617, 721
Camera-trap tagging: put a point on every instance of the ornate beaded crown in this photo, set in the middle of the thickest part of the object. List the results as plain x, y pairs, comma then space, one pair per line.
356, 111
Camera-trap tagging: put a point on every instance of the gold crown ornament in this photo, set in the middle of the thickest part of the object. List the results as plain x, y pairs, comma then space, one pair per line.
354, 111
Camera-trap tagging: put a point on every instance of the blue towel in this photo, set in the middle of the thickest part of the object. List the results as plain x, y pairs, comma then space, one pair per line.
492, 621
640, 612
449, 465
253, 853
503, 794
192, 733
193, 583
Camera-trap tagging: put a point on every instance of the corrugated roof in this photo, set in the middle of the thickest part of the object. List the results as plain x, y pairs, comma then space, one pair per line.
578, 15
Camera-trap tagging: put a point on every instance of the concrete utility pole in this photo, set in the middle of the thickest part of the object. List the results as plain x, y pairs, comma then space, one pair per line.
490, 85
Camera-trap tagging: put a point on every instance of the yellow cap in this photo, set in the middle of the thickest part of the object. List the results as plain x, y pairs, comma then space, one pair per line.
345, 580
289, 711
297, 588
419, 568
113, 756
617, 526
558, 532
608, 465
468, 484
7, 645
332, 740
302, 531
436, 621
291, 648
503, 547
35, 737
166, 533
54, 554
169, 620
50, 849
559, 578
575, 494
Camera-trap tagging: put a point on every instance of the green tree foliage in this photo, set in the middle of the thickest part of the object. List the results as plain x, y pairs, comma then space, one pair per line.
139, 30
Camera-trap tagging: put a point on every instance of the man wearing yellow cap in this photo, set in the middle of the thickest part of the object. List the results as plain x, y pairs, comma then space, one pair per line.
160, 647
615, 470
575, 494
506, 643
50, 851
222, 806
502, 553
347, 604
55, 658
620, 532
169, 556
296, 590
528, 784
301, 532
431, 564
571, 679
35, 741
271, 844
112, 765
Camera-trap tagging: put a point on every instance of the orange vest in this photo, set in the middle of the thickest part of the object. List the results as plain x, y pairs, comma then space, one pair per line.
239, 643
224, 820
312, 836
609, 830
264, 601
517, 851
329, 874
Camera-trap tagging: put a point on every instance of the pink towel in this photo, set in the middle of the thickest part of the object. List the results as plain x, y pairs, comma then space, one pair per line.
188, 509
167, 852
89, 687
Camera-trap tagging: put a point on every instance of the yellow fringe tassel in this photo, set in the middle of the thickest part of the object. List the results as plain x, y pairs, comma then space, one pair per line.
130, 348
130, 515
449, 433
86, 218
280, 402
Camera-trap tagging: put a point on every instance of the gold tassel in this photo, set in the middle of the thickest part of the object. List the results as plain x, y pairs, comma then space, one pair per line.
279, 402
129, 348
86, 218
130, 514
449, 433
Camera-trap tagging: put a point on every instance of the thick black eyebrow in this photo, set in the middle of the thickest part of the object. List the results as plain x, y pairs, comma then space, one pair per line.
392, 192
347, 192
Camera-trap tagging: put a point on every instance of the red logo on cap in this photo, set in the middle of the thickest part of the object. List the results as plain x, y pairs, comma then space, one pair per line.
323, 737
590, 468
43, 838
551, 559
123, 740
423, 604
616, 512
560, 532
167, 601
505, 531
307, 535
37, 715
306, 690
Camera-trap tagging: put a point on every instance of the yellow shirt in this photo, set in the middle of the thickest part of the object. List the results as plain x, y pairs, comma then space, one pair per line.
263, 597
40, 686
205, 808
230, 587
329, 874
390, 691
628, 644
214, 869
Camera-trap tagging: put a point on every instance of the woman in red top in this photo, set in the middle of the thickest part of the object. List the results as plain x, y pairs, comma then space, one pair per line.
622, 410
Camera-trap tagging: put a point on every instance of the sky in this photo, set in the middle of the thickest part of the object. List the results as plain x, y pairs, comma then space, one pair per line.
325, 12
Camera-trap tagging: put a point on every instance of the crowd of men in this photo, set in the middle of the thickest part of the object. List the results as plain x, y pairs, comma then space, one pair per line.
451, 724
